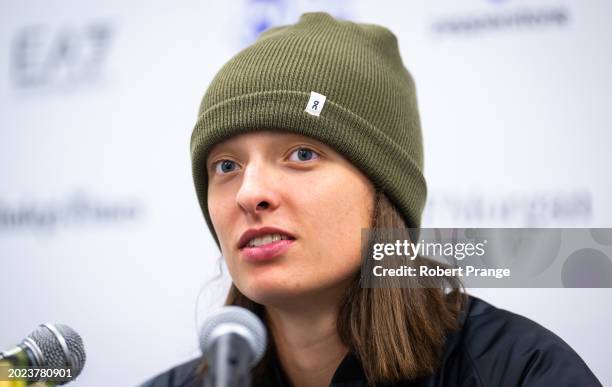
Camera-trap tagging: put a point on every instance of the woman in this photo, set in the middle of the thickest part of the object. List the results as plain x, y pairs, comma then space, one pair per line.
304, 139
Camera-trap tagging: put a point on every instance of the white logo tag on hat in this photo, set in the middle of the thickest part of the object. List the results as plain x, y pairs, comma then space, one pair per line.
315, 104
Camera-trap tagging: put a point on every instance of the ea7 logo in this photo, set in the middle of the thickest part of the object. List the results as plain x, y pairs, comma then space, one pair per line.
45, 55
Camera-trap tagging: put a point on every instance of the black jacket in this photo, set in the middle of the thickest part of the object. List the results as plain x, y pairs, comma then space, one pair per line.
493, 348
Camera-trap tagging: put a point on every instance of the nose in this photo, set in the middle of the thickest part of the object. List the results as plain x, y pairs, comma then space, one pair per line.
258, 191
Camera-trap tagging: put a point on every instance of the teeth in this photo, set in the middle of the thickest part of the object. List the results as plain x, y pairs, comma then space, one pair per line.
265, 239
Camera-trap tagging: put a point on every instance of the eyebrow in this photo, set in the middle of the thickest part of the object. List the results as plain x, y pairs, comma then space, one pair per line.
219, 148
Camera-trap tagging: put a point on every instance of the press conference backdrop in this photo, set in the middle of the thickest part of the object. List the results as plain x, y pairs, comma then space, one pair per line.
99, 223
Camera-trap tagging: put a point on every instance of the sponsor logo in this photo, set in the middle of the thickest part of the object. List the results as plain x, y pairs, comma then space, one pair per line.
504, 18
48, 56
516, 210
75, 211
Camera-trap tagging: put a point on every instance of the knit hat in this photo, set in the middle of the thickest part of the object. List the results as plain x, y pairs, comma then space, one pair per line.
339, 82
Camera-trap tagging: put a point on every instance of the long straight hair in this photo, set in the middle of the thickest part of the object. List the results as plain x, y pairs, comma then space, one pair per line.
396, 333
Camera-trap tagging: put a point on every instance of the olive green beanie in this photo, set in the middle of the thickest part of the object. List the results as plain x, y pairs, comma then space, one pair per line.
340, 82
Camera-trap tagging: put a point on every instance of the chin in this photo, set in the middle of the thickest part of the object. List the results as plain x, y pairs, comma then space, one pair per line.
272, 292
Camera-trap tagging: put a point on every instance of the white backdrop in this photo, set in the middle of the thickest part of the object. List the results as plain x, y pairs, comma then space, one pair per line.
99, 223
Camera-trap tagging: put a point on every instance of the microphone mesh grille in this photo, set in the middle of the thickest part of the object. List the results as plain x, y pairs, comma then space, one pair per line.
52, 351
76, 349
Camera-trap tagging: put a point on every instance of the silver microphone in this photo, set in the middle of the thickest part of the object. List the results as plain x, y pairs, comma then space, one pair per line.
50, 346
233, 340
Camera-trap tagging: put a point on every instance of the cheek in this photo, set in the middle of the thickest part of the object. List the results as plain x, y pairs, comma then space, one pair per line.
224, 215
337, 212
345, 201
220, 211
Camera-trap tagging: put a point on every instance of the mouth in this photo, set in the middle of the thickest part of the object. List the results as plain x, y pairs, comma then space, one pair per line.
266, 240
264, 243
263, 236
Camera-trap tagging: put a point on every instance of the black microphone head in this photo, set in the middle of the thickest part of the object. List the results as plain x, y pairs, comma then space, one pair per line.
57, 345
237, 320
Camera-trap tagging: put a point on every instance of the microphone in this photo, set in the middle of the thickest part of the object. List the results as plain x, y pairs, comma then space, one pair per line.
49, 346
232, 340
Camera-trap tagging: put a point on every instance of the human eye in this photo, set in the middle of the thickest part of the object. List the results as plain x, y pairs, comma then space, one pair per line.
303, 154
223, 167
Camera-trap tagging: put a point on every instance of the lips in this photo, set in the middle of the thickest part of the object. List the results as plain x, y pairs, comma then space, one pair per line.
256, 232
266, 252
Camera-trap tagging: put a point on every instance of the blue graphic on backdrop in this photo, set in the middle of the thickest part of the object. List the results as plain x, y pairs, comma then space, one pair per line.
259, 15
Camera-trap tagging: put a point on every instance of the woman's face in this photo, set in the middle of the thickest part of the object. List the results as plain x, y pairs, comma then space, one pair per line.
314, 198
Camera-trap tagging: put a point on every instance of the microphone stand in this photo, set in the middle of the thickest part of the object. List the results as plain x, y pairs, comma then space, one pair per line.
228, 363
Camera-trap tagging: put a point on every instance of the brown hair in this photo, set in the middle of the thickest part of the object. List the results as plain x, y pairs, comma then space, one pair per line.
396, 333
